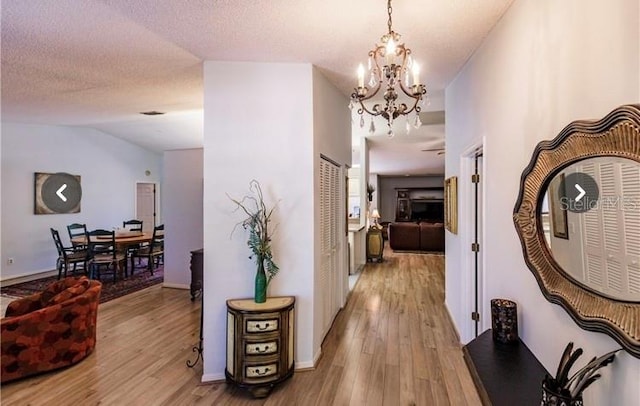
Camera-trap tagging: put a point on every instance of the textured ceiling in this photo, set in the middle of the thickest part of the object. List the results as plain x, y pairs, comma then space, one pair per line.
98, 63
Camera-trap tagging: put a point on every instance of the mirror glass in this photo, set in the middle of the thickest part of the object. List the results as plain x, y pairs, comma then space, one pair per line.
591, 220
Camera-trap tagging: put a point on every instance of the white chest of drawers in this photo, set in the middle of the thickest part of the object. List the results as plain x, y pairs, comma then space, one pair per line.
260, 343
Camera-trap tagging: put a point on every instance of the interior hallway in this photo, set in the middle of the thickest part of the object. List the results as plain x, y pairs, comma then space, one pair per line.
392, 344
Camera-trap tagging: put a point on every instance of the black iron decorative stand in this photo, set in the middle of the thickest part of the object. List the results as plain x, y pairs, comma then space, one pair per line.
198, 349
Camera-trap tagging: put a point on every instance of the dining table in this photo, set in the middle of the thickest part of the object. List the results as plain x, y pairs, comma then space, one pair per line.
123, 240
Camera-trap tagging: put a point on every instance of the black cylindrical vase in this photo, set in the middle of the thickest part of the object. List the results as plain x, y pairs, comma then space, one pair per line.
504, 320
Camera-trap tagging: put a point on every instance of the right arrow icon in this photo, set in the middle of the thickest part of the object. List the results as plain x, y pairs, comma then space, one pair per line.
580, 194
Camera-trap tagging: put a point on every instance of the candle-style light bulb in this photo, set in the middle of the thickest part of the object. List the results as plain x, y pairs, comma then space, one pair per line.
360, 75
391, 50
416, 73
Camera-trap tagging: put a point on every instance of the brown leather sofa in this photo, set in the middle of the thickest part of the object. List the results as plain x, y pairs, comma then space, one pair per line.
423, 236
51, 329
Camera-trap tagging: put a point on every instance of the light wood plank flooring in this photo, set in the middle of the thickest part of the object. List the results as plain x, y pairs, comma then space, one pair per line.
392, 344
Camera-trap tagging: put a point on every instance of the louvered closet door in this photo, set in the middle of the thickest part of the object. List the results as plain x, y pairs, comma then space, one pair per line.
615, 282
612, 231
329, 215
593, 239
630, 188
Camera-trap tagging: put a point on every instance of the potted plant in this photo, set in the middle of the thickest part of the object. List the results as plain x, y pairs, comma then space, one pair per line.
567, 391
257, 222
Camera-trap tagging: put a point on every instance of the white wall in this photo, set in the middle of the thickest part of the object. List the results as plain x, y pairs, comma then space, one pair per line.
278, 144
544, 65
182, 187
332, 138
109, 169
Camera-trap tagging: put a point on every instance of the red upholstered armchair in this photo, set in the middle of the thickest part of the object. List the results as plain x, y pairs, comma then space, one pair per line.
51, 329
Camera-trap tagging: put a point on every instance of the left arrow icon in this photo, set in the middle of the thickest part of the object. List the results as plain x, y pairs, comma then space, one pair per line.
59, 192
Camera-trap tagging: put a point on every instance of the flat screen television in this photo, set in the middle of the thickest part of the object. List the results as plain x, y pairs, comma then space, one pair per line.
427, 210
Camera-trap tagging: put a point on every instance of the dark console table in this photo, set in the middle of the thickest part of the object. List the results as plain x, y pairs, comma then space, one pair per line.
196, 273
196, 290
504, 374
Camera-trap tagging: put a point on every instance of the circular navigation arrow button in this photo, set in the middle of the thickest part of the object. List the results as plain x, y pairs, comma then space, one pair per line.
578, 192
61, 193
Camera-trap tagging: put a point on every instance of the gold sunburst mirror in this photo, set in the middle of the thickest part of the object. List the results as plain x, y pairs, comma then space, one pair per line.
578, 219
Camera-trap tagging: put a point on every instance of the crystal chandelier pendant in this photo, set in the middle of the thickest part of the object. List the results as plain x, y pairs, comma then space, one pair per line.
372, 127
418, 122
361, 121
408, 126
390, 133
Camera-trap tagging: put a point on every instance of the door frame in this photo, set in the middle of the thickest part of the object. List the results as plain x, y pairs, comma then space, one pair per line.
157, 200
466, 202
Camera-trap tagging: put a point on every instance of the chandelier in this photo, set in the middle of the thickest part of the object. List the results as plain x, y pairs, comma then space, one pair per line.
389, 67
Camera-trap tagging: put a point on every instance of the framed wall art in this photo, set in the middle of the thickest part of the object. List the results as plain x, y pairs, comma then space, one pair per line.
56, 193
557, 213
451, 204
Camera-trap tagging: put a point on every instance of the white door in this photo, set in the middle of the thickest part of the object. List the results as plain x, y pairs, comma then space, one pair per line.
146, 205
479, 227
329, 242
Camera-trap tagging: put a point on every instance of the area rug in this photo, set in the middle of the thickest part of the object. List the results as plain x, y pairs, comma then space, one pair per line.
110, 290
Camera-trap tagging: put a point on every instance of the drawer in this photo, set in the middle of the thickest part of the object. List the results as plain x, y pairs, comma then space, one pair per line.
262, 325
258, 372
261, 348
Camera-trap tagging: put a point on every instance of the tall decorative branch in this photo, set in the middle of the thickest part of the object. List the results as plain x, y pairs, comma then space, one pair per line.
257, 222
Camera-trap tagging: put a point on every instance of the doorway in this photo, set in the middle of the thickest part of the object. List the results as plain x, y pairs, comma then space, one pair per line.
472, 194
146, 205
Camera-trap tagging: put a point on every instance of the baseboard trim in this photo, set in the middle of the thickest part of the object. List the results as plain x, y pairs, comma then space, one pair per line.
455, 328
175, 286
309, 365
213, 378
13, 280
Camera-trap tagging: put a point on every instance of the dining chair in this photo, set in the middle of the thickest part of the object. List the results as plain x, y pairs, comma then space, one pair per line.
152, 252
77, 230
68, 256
132, 225
104, 253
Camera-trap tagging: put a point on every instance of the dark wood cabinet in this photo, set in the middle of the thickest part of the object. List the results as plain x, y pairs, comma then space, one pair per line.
196, 273
403, 205
260, 343
416, 204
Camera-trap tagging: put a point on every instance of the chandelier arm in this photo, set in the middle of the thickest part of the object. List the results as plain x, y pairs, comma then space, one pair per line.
356, 96
374, 112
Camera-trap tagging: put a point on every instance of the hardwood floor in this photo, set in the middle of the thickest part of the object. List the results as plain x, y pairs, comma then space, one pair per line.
392, 344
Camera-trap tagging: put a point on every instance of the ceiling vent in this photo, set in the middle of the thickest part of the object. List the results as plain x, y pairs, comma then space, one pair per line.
152, 113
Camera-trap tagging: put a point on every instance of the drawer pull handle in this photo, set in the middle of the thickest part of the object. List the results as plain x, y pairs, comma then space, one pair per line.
266, 348
257, 371
266, 326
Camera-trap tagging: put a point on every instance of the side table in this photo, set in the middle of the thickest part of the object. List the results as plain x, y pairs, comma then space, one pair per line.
196, 273
260, 343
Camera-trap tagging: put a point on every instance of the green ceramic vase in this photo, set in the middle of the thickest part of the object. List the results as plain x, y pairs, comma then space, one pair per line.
260, 294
